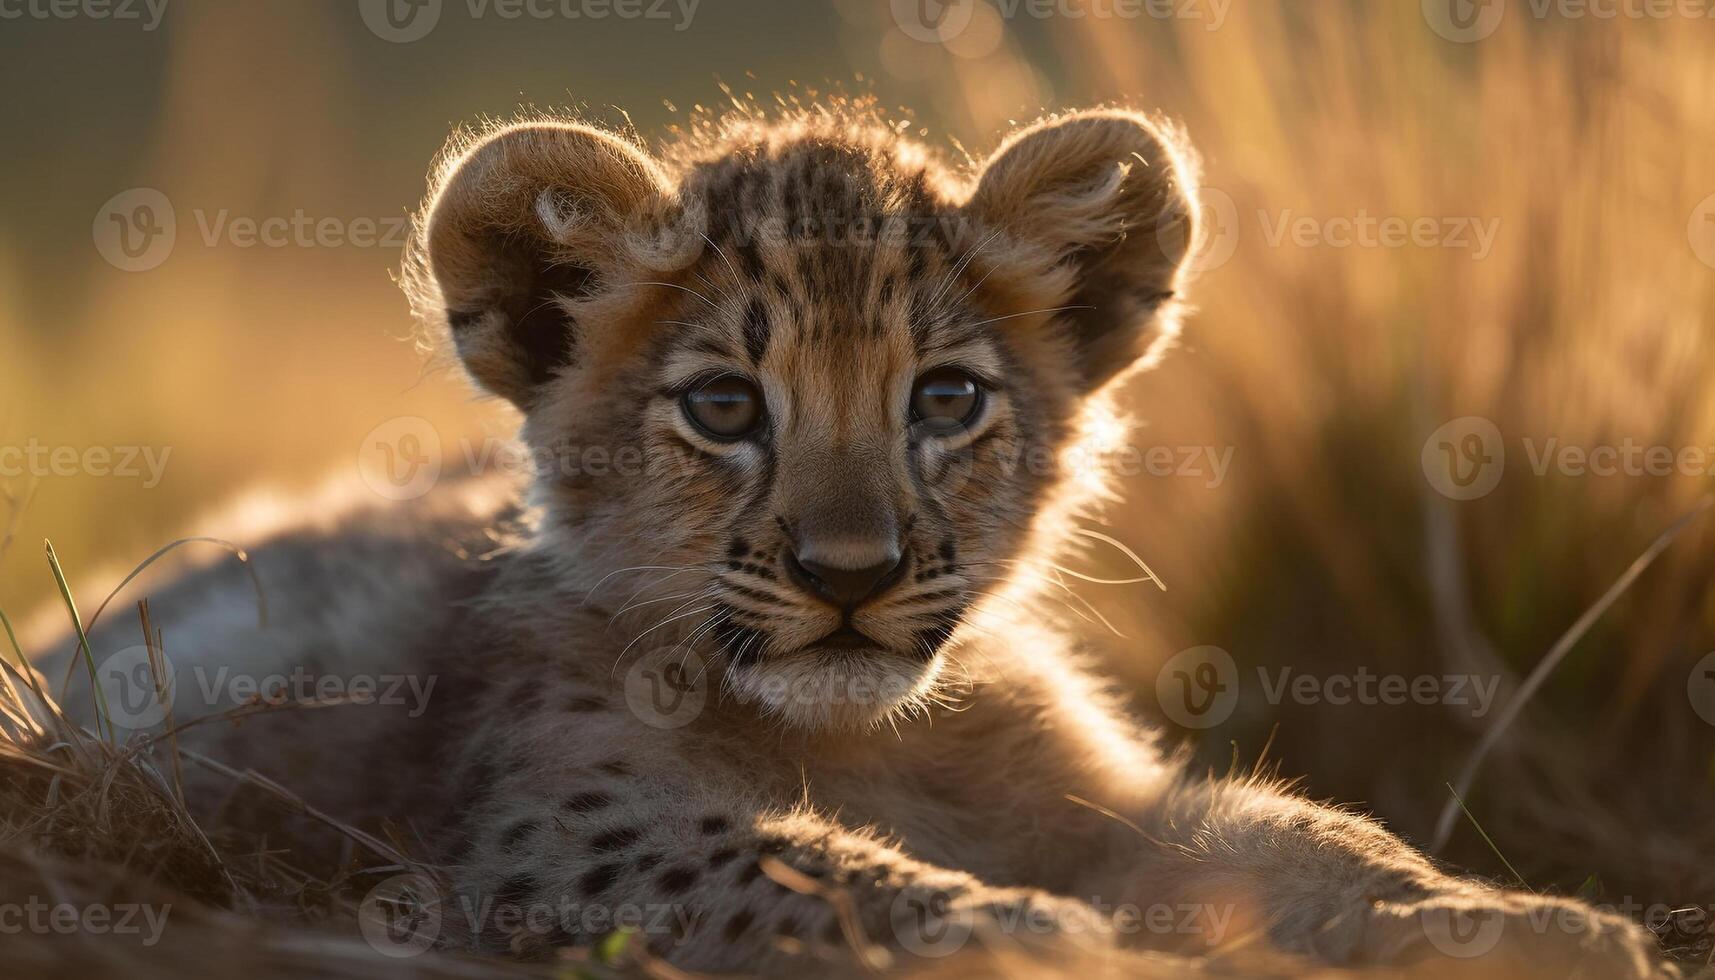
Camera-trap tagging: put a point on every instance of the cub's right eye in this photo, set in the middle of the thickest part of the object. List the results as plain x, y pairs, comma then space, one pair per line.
724, 408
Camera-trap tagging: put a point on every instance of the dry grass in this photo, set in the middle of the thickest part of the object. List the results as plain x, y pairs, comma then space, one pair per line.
1323, 369
92, 822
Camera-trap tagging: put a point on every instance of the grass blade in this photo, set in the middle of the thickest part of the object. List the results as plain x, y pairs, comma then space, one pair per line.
1486, 839
161, 552
1563, 646
102, 716
14, 706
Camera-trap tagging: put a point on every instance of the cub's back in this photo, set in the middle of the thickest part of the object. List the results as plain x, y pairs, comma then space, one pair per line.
362, 605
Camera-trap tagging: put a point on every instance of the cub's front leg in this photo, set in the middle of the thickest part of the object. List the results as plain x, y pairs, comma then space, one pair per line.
1338, 887
578, 820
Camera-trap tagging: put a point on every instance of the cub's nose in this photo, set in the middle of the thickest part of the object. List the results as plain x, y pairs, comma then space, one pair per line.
845, 587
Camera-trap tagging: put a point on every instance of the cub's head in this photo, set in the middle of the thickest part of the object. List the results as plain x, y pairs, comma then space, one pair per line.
793, 391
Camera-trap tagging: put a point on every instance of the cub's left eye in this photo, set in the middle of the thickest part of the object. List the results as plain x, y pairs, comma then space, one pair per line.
725, 408
945, 397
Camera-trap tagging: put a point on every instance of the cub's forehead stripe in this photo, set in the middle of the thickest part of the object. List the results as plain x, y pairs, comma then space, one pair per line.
757, 331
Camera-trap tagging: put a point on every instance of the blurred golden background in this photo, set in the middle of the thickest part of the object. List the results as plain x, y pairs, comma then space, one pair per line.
1423, 212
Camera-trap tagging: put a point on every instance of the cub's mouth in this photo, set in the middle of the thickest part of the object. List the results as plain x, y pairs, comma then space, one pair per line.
846, 678
846, 638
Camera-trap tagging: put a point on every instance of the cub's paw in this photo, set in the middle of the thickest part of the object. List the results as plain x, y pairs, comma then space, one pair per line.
1507, 934
931, 924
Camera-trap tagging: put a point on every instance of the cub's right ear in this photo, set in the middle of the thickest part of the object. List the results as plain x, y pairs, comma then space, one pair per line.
518, 230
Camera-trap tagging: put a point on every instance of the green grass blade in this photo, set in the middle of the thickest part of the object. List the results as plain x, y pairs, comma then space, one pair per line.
104, 719
1487, 839
239, 553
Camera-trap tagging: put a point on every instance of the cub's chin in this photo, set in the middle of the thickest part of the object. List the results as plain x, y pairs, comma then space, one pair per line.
836, 688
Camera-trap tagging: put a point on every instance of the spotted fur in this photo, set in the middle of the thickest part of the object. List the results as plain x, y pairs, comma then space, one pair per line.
822, 802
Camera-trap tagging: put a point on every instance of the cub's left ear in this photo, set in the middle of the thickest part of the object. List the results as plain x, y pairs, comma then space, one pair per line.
522, 228
1106, 200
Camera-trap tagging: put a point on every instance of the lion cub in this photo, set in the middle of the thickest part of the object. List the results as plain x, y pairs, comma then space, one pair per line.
752, 670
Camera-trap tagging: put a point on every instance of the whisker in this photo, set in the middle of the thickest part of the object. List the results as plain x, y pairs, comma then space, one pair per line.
1013, 316
655, 583
664, 622
634, 568
1098, 619
723, 293
1123, 549
971, 291
649, 602
690, 643
673, 285
736, 278
710, 624
953, 274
